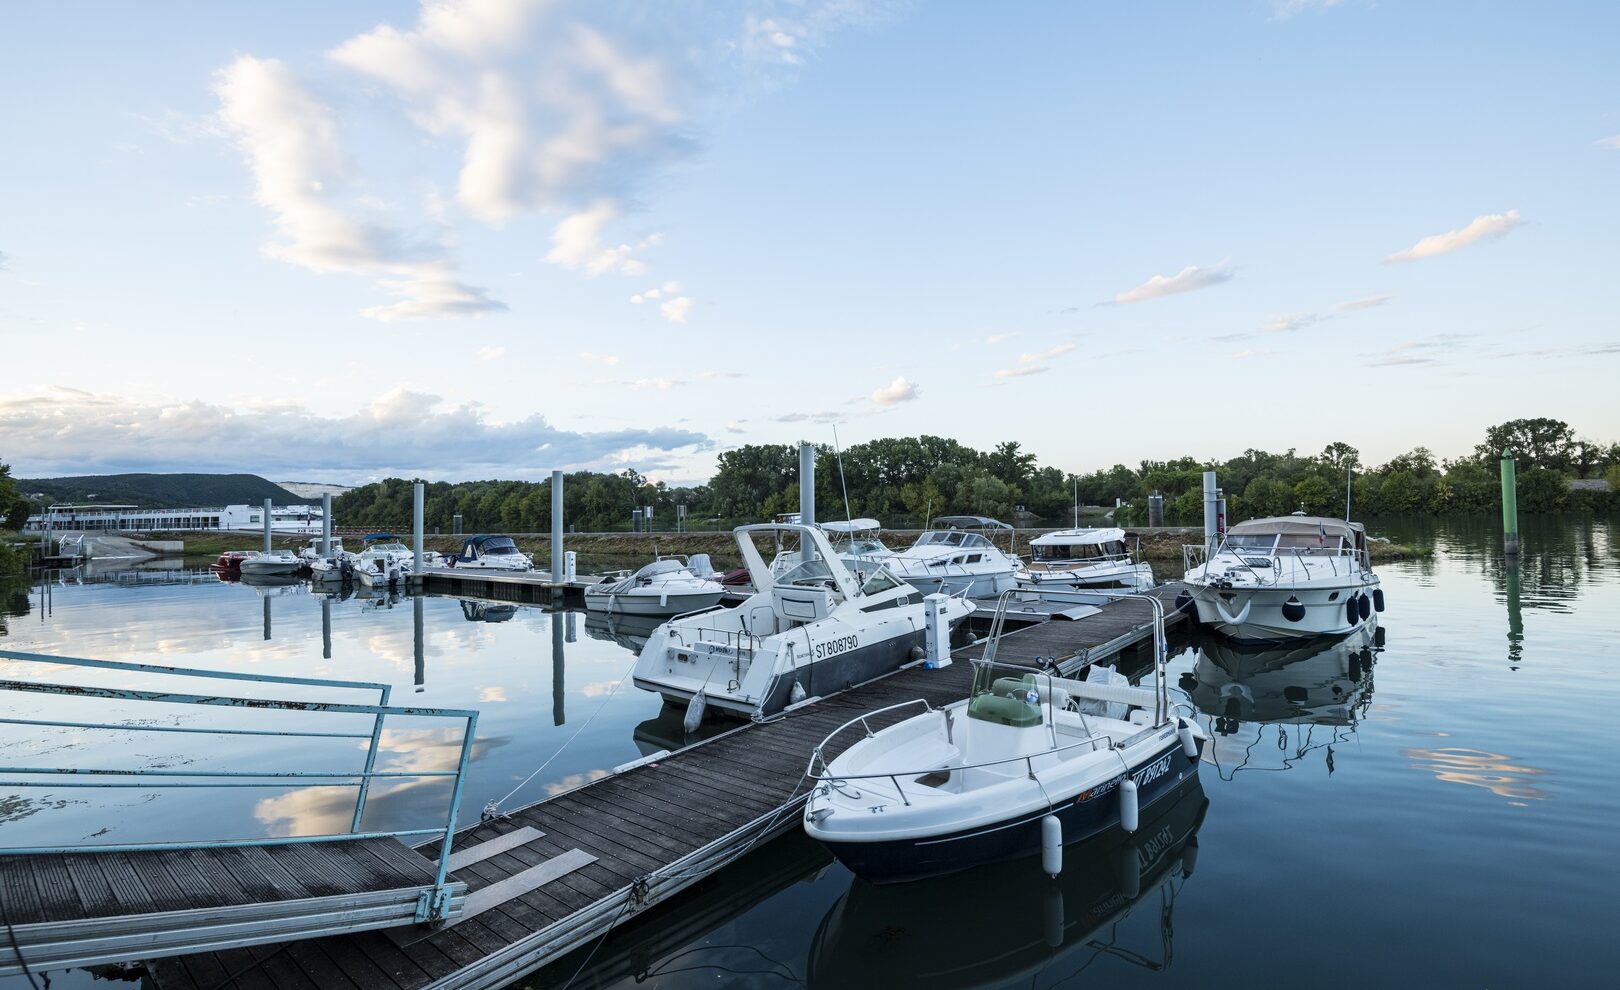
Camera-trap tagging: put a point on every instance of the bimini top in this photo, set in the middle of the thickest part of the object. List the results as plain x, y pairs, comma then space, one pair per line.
378, 537
1296, 526
967, 522
657, 567
851, 525
1079, 538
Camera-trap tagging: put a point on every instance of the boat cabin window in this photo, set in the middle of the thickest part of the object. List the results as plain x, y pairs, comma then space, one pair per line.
1251, 541
1308, 543
880, 581
1002, 697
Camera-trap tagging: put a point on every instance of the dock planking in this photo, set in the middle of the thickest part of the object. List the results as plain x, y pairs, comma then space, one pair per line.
652, 830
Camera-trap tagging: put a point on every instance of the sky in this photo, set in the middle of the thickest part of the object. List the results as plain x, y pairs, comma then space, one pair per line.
490, 238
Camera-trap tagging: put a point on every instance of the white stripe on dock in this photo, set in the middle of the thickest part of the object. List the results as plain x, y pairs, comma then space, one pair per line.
493, 847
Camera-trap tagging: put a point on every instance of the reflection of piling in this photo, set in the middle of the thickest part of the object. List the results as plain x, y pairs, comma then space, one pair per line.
556, 529
558, 716
326, 627
1515, 616
267, 538
421, 662
1510, 505
267, 615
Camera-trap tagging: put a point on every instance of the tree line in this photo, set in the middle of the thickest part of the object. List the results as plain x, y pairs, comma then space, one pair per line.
905, 481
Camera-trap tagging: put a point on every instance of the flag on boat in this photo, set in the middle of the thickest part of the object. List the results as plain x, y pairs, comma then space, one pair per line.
1321, 534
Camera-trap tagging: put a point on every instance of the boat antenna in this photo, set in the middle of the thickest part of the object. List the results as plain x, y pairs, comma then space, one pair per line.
841, 482
1076, 501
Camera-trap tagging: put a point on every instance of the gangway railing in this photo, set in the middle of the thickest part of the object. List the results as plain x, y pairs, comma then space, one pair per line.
433, 905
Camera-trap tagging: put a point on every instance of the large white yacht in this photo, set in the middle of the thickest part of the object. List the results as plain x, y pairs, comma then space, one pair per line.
1283, 577
809, 629
1084, 558
956, 557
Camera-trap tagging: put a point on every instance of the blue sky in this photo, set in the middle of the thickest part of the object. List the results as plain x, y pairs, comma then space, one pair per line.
344, 241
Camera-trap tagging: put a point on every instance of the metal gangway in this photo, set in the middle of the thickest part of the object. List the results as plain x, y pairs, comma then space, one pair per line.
87, 904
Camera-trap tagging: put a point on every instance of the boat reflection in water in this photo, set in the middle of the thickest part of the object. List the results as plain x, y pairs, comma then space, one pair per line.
629, 631
475, 611
1009, 923
666, 731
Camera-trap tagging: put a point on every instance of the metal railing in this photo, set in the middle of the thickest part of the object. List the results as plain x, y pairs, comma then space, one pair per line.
433, 905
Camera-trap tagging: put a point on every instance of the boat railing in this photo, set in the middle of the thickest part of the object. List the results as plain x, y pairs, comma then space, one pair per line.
825, 776
433, 905
1199, 555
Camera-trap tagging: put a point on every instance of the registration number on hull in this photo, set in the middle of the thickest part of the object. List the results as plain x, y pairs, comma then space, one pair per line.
833, 647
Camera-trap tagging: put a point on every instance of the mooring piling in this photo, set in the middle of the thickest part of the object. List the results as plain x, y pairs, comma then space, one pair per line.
418, 503
556, 527
266, 530
326, 524
1212, 498
1510, 504
807, 483
1156, 509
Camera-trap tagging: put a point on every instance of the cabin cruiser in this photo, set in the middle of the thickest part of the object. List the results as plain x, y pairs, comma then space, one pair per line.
856, 543
807, 630
1284, 577
1028, 763
957, 559
493, 553
667, 586
1084, 558
270, 562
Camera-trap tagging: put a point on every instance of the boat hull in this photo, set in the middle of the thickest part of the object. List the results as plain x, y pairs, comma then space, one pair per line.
651, 605
819, 678
1091, 811
1130, 577
1264, 615
268, 567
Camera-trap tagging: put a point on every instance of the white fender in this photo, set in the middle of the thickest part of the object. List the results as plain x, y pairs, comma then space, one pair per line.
1127, 804
694, 712
1051, 845
1189, 745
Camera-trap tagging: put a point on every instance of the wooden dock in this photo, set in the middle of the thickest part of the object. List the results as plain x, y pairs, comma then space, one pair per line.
653, 829
520, 587
553, 876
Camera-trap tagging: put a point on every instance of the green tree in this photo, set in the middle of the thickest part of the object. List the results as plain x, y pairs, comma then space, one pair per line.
1009, 464
14, 508
1318, 497
1540, 442
1341, 457
1542, 490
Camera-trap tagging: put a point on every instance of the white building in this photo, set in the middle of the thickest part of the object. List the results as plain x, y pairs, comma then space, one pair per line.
302, 519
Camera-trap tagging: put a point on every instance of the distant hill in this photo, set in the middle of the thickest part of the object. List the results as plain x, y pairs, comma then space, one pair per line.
158, 491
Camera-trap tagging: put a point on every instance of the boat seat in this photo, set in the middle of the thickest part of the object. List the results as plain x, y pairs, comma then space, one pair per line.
1004, 711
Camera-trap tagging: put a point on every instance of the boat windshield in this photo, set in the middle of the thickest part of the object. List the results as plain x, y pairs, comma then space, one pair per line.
880, 581
1004, 696
952, 538
804, 566
495, 548
1048, 553
859, 548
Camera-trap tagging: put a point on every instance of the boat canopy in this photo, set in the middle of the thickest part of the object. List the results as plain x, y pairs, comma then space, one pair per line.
487, 545
1297, 526
657, 567
375, 537
851, 525
1079, 537
969, 522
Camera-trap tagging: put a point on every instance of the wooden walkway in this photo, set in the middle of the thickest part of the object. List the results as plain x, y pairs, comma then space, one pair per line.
64, 909
653, 830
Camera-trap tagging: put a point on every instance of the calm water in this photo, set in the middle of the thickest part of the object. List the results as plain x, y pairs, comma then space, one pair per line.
1438, 812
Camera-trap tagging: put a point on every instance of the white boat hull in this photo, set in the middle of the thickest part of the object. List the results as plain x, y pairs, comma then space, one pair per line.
984, 585
1274, 613
265, 567
1127, 575
652, 604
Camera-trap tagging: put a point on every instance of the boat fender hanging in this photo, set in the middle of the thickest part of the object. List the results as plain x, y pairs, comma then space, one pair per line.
1051, 845
1189, 744
1363, 605
1189, 857
1127, 804
797, 694
1378, 599
694, 712
1184, 602
1293, 609
1351, 614
1355, 668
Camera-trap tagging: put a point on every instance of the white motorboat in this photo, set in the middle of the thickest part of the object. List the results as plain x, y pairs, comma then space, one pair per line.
957, 559
1028, 763
667, 586
379, 570
1283, 577
265, 562
807, 630
336, 568
493, 553
857, 545
1084, 558
311, 553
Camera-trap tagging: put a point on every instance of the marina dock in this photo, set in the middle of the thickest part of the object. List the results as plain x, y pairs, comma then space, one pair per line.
535, 883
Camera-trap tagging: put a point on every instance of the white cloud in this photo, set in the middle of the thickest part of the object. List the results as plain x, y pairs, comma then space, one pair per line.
401, 432
816, 417
997, 338
1187, 280
1489, 225
1290, 322
1245, 355
608, 359
1367, 303
1051, 352
1284, 9
676, 309
491, 353
660, 384
1036, 369
290, 140
577, 243
1609, 142
898, 391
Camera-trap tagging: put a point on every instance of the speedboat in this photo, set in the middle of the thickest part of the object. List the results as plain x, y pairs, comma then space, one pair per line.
229, 563
805, 631
1084, 558
667, 586
856, 543
311, 553
1027, 764
1284, 577
491, 553
957, 559
270, 562
336, 568
379, 571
